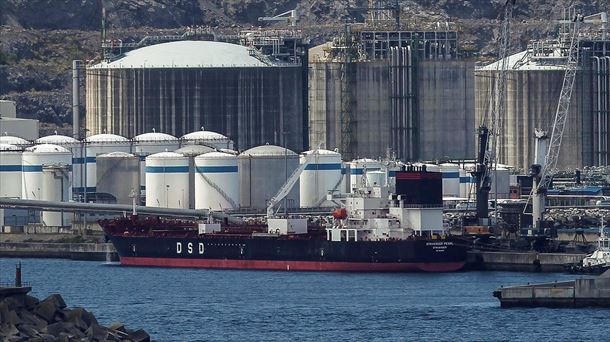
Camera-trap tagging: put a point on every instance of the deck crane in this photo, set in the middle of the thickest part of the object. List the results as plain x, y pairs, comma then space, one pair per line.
545, 165
488, 131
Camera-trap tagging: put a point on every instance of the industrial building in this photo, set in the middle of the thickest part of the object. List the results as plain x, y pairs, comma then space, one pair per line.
381, 93
533, 87
253, 92
10, 124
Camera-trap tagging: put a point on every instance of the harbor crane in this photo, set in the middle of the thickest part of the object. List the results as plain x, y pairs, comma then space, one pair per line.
489, 129
545, 165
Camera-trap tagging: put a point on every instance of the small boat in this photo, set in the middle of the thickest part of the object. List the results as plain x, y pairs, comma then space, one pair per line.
596, 262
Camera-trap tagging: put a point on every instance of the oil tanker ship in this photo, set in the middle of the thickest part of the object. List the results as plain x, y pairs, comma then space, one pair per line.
373, 230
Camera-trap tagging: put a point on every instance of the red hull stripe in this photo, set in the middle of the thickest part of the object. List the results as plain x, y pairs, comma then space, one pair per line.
294, 265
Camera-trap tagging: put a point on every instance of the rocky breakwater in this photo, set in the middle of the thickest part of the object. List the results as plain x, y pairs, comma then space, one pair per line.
25, 318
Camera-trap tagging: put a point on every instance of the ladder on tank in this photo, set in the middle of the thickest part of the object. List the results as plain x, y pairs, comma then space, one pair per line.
219, 190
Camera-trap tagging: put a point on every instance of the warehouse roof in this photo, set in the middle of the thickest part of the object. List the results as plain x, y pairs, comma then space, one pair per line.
185, 54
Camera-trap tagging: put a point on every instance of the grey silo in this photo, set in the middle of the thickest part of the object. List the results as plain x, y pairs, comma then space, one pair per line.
118, 175
178, 87
262, 172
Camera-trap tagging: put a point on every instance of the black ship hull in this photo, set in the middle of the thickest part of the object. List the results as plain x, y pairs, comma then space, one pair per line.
278, 253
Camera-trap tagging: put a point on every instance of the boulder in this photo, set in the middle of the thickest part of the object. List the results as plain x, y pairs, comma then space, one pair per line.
28, 330
97, 333
139, 336
46, 310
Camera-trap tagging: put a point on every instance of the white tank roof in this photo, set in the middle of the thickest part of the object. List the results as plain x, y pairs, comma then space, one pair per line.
194, 150
324, 152
56, 139
154, 136
268, 150
117, 154
9, 147
522, 61
204, 135
12, 140
106, 138
185, 54
47, 148
165, 155
216, 155
365, 160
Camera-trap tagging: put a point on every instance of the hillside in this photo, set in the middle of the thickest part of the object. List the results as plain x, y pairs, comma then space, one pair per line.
40, 38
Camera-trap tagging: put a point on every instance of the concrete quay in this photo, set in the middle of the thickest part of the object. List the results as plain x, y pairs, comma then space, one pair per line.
575, 293
520, 261
73, 251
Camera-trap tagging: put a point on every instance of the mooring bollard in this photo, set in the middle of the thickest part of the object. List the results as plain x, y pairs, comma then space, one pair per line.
18, 275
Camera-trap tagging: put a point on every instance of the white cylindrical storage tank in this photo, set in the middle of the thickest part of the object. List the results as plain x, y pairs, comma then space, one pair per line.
467, 186
76, 149
376, 178
167, 179
358, 168
207, 138
262, 172
118, 175
16, 141
46, 171
55, 188
96, 145
451, 179
500, 180
192, 151
10, 171
322, 175
149, 143
216, 181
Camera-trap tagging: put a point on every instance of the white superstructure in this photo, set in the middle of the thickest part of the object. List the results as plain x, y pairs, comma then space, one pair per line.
167, 179
360, 167
373, 213
322, 175
216, 181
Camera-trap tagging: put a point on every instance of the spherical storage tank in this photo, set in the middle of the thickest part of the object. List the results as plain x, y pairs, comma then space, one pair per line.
262, 172
96, 145
118, 174
10, 171
451, 179
321, 175
178, 87
207, 138
46, 176
76, 148
360, 167
150, 143
216, 181
167, 179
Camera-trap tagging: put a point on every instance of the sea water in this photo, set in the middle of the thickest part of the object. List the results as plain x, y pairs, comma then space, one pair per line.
237, 305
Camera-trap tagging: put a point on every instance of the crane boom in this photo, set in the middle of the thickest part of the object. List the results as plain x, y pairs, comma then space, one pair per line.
561, 114
489, 130
543, 174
